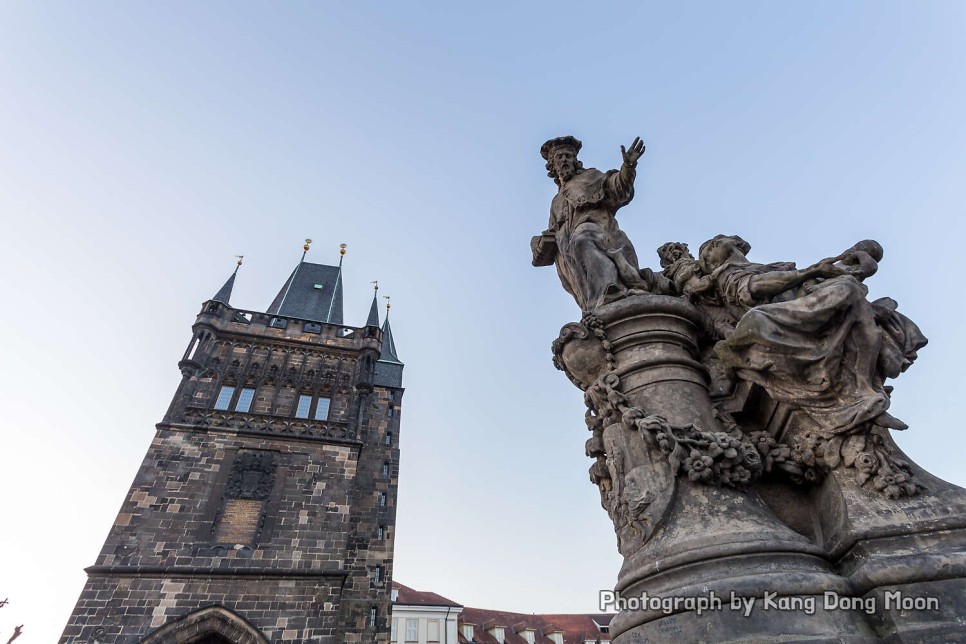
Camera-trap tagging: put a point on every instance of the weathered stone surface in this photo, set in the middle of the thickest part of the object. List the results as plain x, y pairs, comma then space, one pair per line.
740, 436
284, 524
595, 260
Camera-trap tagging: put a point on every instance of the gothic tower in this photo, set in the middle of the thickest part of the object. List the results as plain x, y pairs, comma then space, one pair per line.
264, 510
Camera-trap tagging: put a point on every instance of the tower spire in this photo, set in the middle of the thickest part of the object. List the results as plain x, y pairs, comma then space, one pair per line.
388, 353
224, 293
373, 319
334, 315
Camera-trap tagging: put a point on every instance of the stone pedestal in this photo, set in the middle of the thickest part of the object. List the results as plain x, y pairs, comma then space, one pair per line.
907, 554
687, 537
711, 542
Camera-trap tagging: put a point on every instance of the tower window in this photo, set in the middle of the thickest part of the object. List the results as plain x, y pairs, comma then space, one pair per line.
385, 469
245, 400
388, 439
382, 500
377, 574
194, 348
322, 409
302, 411
373, 613
224, 398
381, 533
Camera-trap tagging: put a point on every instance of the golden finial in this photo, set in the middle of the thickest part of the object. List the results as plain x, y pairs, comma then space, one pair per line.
342, 249
375, 284
240, 258
306, 247
386, 297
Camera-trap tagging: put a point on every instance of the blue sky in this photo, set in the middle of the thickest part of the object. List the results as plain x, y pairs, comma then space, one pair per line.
142, 146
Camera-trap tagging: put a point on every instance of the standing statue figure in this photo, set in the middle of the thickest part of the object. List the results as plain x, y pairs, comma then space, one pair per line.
595, 260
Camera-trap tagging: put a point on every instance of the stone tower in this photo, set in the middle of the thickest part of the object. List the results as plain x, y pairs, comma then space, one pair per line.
264, 510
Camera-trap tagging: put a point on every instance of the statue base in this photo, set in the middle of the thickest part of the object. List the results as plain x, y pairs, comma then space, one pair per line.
706, 560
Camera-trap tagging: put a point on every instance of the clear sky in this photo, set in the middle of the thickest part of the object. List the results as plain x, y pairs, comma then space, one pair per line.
143, 145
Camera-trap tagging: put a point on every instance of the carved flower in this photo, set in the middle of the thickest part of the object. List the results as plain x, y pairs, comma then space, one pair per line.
750, 456
781, 454
892, 491
740, 475
803, 455
883, 481
866, 462
724, 444
698, 466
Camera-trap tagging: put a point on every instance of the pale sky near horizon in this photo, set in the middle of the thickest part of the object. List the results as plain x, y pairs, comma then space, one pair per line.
143, 145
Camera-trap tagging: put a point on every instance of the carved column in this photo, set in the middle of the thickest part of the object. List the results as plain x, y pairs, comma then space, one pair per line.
675, 480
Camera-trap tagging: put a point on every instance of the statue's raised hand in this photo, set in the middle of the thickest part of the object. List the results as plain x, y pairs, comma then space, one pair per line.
634, 153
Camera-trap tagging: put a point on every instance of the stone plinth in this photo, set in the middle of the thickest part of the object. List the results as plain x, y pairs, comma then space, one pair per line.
695, 540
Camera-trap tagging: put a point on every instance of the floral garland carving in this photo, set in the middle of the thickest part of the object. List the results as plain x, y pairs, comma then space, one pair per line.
730, 458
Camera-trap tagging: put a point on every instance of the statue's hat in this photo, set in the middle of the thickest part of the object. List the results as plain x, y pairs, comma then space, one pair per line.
547, 148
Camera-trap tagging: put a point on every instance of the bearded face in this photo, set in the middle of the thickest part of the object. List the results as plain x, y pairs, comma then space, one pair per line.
564, 163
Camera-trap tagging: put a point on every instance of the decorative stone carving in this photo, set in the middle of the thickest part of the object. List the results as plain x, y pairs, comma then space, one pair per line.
595, 260
739, 425
252, 476
266, 424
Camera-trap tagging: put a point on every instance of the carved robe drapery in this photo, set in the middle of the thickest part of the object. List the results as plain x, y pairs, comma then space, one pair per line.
827, 351
588, 239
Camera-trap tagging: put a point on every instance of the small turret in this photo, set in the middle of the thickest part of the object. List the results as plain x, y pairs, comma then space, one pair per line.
373, 319
224, 293
388, 368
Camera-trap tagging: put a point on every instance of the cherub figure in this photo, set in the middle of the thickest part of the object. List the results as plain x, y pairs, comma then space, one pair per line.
683, 270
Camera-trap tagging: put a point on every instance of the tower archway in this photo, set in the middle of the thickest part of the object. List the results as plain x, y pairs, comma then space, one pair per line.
210, 625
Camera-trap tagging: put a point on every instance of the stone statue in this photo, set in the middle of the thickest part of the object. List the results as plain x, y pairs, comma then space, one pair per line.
809, 337
739, 431
595, 260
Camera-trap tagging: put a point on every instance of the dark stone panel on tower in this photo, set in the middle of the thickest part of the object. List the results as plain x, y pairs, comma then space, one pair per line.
269, 490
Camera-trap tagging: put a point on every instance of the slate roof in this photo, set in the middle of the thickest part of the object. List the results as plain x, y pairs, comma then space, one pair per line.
224, 293
388, 353
373, 319
312, 292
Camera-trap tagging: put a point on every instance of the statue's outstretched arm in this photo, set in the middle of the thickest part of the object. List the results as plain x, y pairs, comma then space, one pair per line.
631, 155
771, 284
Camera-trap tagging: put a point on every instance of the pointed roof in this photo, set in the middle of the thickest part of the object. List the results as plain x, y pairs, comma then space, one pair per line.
388, 353
311, 292
373, 319
224, 293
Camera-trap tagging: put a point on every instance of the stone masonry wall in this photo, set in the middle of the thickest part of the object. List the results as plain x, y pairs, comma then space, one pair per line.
123, 610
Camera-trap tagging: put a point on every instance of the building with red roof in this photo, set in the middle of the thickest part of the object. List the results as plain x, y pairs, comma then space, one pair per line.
427, 618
